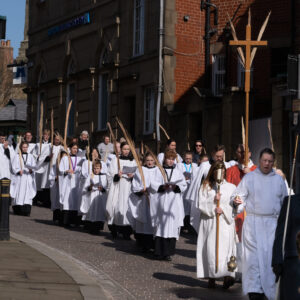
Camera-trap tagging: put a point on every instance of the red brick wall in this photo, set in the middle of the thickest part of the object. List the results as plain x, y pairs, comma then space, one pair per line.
189, 35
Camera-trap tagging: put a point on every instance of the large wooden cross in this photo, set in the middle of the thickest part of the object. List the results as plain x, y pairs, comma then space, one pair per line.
250, 49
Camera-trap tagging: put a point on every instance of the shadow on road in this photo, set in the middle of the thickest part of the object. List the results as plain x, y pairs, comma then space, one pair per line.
186, 253
185, 268
180, 279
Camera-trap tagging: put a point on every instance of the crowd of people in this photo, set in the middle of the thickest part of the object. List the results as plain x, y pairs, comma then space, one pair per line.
232, 207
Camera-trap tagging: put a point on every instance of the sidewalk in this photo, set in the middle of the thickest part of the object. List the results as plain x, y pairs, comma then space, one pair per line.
26, 273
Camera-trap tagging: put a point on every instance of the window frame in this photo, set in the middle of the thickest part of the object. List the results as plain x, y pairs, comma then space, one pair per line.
100, 122
217, 92
140, 30
149, 110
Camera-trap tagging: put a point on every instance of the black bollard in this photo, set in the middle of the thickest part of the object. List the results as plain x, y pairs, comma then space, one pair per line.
4, 209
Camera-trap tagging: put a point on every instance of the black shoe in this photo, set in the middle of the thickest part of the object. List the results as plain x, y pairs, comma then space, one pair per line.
168, 258
228, 282
211, 283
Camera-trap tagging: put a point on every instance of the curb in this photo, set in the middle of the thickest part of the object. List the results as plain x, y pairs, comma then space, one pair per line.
91, 288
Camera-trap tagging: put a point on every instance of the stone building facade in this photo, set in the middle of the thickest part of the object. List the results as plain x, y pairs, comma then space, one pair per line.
104, 55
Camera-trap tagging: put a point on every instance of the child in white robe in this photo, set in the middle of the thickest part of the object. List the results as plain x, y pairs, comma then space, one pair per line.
23, 186
94, 196
206, 243
119, 184
140, 203
188, 168
168, 215
171, 145
70, 169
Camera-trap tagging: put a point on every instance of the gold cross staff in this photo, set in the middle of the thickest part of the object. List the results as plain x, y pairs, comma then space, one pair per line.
247, 61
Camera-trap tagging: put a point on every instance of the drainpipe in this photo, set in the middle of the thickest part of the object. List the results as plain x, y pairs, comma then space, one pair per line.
160, 70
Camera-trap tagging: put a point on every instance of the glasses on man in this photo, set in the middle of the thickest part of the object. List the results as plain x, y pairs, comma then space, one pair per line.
198, 145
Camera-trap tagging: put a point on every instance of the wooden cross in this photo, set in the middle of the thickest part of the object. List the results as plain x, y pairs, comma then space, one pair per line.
247, 62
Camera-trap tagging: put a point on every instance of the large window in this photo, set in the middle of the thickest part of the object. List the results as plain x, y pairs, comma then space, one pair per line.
149, 110
103, 101
71, 96
138, 27
218, 75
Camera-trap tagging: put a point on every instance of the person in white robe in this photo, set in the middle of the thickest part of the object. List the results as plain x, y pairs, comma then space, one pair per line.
207, 234
23, 187
55, 157
6, 155
187, 167
119, 185
192, 193
171, 145
70, 169
141, 200
169, 212
110, 156
94, 196
261, 193
31, 145
43, 152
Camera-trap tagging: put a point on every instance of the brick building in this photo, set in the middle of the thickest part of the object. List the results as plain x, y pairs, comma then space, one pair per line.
104, 55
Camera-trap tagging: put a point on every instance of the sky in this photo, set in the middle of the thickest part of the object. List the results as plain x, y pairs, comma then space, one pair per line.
14, 10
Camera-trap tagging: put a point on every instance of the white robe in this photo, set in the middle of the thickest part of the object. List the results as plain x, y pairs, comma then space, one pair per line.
184, 168
23, 187
193, 191
169, 211
43, 168
263, 197
93, 204
161, 157
118, 195
69, 184
5, 163
53, 178
139, 206
206, 243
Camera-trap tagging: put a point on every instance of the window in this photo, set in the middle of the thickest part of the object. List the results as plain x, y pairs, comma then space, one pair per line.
71, 96
138, 27
218, 74
103, 102
149, 110
241, 75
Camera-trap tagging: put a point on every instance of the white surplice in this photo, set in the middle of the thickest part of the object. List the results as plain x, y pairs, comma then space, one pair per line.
139, 206
69, 183
5, 162
263, 196
54, 178
119, 192
206, 243
93, 204
23, 187
43, 168
184, 168
168, 215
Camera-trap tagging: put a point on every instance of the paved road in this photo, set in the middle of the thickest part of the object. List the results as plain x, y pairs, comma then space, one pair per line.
132, 275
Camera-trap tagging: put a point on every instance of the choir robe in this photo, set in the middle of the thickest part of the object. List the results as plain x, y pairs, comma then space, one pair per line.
161, 157
139, 204
31, 149
53, 179
23, 187
5, 161
43, 166
184, 168
119, 192
192, 193
69, 185
262, 196
168, 214
93, 204
206, 243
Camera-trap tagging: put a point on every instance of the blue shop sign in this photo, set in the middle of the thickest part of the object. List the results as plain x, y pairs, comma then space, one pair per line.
81, 20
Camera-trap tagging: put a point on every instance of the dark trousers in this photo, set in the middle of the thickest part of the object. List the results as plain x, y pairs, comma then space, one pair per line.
22, 210
164, 246
70, 217
145, 241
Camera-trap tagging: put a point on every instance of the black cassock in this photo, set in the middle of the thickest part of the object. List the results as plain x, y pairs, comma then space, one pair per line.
289, 267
